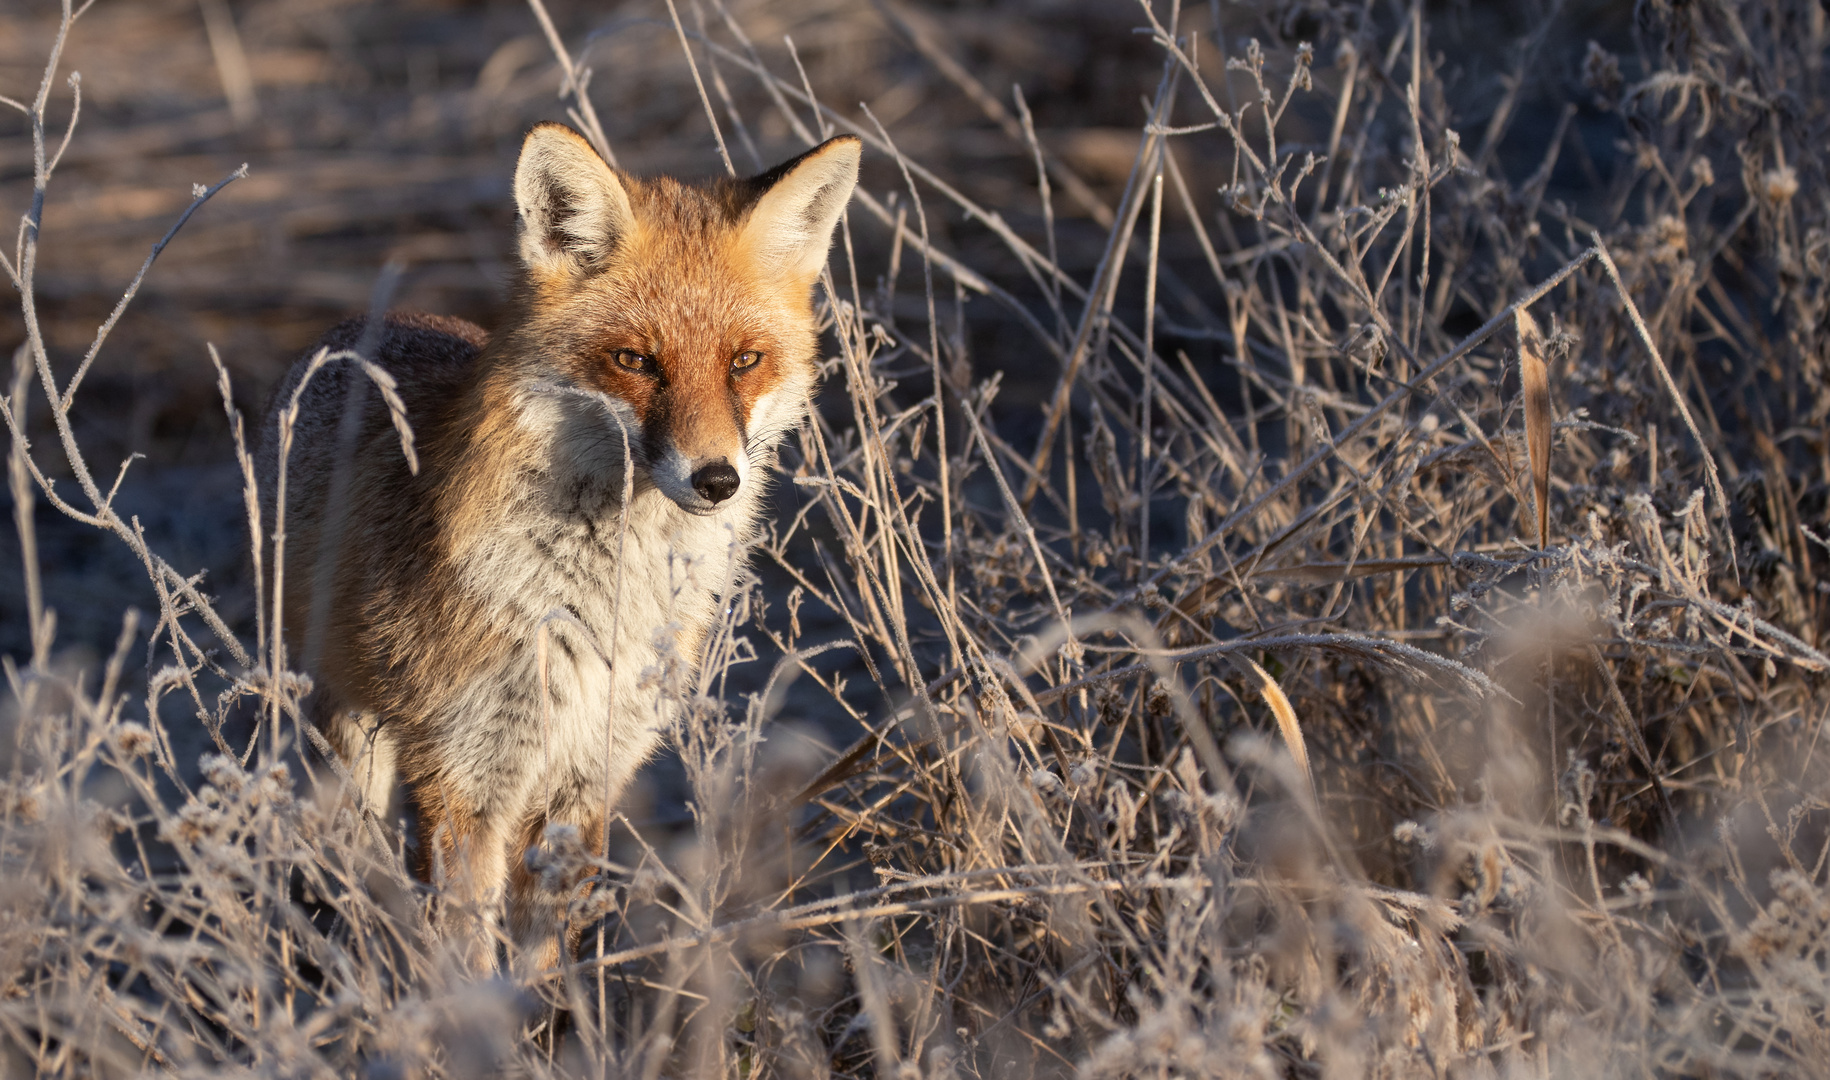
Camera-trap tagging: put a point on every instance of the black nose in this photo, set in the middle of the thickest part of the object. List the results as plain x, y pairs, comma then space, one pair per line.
717, 481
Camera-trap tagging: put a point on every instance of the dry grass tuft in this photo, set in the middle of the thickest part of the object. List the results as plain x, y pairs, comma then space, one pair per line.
1142, 418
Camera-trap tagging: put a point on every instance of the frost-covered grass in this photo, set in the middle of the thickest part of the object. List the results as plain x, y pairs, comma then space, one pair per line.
1565, 811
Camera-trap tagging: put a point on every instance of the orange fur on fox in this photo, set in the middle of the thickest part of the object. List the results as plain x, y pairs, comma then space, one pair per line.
488, 629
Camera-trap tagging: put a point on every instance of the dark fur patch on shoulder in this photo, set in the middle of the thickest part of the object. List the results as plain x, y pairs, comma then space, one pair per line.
440, 338
448, 325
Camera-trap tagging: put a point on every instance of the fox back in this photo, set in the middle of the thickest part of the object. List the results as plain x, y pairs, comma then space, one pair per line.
508, 626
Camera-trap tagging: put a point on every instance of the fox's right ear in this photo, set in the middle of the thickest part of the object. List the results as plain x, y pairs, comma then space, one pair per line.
573, 208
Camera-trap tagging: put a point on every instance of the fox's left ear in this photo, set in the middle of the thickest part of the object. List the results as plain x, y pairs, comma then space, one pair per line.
790, 226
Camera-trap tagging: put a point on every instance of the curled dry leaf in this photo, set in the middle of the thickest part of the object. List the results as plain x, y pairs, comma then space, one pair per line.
1534, 378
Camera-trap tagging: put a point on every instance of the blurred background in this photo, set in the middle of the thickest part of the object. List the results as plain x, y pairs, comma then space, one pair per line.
388, 131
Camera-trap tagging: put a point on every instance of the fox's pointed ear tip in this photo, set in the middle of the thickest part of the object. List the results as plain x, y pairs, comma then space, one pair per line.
844, 146
547, 129
547, 132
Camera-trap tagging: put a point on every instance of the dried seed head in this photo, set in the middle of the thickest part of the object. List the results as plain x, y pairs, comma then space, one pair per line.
132, 741
1047, 783
224, 773
1601, 72
1157, 701
1412, 833
1110, 704
1779, 185
21, 803
1638, 889
1670, 240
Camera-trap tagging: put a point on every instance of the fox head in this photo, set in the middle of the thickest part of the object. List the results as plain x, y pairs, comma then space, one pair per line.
688, 307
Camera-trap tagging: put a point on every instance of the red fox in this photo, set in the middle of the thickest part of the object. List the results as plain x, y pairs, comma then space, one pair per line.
491, 625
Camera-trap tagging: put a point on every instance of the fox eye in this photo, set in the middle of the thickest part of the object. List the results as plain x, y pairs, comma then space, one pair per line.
745, 359
631, 360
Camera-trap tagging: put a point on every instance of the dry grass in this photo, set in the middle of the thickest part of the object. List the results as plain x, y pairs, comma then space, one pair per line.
1112, 480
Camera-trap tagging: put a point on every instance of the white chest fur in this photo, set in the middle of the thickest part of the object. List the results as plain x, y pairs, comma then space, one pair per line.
603, 614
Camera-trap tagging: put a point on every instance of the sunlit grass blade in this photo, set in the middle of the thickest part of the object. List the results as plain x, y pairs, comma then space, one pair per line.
1534, 379
1287, 724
